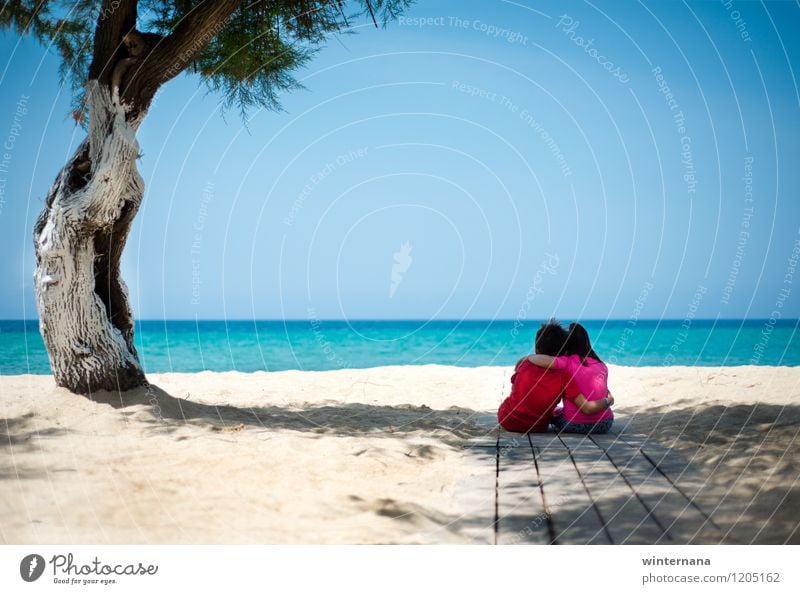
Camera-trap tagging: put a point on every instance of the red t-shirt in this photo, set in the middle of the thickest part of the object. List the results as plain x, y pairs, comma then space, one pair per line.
535, 391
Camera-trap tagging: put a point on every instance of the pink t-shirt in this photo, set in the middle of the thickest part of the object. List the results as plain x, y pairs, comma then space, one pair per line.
591, 380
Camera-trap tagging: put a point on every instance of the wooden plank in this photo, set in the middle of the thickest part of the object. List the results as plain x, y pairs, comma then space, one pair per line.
540, 441
680, 468
521, 518
475, 495
626, 516
621, 488
631, 439
682, 519
574, 517
695, 486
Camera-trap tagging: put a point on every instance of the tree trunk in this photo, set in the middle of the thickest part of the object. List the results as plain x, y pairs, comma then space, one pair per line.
84, 314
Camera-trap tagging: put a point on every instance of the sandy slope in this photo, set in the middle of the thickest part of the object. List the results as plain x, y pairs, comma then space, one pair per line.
351, 456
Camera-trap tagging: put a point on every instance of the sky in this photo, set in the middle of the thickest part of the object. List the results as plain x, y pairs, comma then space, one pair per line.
475, 159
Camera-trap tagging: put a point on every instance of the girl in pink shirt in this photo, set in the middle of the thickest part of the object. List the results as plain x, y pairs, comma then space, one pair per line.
589, 377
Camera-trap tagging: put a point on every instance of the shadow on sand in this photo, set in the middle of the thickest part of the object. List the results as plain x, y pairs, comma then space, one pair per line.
168, 413
749, 452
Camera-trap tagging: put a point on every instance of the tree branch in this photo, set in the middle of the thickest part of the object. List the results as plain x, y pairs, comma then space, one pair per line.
172, 54
116, 19
371, 13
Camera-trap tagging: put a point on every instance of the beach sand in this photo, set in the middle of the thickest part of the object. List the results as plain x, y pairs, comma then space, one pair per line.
355, 456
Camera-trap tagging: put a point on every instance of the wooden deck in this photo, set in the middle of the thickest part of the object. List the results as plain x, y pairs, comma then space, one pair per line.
576, 489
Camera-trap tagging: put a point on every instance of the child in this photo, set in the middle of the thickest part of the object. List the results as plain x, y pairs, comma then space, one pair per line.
589, 377
536, 391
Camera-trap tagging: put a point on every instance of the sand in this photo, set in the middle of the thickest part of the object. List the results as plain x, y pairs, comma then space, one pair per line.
353, 456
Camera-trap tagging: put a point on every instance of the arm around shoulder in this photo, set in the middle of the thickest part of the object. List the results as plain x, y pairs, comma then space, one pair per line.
542, 360
592, 407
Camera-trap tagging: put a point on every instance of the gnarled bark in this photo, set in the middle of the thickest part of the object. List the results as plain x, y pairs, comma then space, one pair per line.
84, 314
85, 317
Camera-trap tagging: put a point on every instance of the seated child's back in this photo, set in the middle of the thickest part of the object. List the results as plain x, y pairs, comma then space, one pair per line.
588, 377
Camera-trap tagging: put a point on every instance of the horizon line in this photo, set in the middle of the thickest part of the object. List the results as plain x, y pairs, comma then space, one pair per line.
533, 320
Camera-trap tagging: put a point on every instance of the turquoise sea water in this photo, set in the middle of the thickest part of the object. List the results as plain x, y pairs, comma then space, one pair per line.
318, 344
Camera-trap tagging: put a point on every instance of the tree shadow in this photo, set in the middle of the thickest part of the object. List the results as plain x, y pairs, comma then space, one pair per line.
18, 435
738, 464
746, 457
17, 431
733, 449
575, 521
453, 427
750, 451
714, 424
165, 412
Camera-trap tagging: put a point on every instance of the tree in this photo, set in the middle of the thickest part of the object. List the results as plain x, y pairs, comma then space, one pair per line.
245, 49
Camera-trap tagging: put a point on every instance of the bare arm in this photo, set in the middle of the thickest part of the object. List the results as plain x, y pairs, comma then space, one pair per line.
592, 407
541, 360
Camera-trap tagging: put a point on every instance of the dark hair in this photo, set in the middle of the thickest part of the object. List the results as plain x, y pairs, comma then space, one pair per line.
551, 339
578, 342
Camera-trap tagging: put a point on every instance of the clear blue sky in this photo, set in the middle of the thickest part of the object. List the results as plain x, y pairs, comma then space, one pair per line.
524, 170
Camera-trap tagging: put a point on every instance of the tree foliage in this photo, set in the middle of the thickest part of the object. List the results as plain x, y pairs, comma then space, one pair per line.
247, 50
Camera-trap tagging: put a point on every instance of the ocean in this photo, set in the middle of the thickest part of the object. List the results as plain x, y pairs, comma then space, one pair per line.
187, 345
